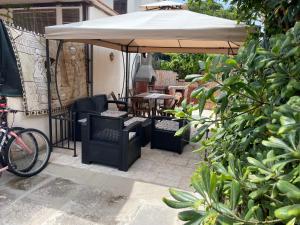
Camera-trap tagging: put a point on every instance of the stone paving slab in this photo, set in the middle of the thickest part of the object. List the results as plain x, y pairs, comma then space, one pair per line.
155, 166
63, 195
7, 197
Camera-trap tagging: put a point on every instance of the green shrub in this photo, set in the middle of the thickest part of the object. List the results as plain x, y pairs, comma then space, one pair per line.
183, 64
252, 175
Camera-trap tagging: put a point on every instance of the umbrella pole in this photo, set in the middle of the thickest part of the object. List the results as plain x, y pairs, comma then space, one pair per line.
127, 68
49, 92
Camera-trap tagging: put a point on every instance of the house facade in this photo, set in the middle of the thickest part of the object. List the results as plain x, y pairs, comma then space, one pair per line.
127, 6
104, 66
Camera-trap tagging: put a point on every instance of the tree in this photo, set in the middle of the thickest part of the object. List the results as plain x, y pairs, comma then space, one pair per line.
183, 64
252, 175
278, 16
213, 8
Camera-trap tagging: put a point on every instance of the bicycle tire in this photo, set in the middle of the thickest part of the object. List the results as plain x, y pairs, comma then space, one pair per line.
29, 167
27, 172
2, 157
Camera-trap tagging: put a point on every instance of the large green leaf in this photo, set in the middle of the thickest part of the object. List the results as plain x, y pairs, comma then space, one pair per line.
182, 130
198, 185
259, 192
211, 91
202, 102
287, 128
220, 168
224, 209
190, 215
292, 52
190, 77
240, 108
177, 204
289, 189
251, 213
235, 194
231, 80
257, 163
288, 212
284, 120
292, 222
231, 62
196, 92
277, 143
182, 195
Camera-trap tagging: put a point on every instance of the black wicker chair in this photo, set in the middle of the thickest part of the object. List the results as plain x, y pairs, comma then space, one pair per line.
106, 141
95, 104
163, 134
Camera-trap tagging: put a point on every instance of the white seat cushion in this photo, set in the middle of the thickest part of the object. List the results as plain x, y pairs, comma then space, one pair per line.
134, 119
132, 135
112, 113
169, 125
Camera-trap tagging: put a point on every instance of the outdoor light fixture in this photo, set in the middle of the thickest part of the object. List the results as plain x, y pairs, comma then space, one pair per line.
111, 56
144, 55
73, 51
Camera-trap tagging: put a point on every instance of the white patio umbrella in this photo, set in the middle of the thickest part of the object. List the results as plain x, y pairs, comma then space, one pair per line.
164, 5
156, 31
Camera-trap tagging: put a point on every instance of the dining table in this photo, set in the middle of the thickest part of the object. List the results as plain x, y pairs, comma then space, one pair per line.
154, 97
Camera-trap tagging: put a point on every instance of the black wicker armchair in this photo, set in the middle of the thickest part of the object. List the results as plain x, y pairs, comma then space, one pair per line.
105, 140
95, 104
145, 128
163, 134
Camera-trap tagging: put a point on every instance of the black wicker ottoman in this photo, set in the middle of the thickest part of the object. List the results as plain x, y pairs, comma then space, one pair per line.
146, 128
163, 134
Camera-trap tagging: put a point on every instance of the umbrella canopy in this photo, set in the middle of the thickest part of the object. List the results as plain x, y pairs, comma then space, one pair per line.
156, 31
164, 5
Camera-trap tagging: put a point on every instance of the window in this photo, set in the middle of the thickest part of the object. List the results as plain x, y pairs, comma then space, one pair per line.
36, 19
120, 6
70, 15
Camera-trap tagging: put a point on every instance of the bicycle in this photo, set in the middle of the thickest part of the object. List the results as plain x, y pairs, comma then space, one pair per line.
23, 152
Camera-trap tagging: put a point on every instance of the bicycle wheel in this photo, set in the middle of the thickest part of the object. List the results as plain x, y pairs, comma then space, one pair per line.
30, 165
16, 130
28, 154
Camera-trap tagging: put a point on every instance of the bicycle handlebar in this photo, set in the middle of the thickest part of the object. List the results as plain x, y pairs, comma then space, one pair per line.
8, 110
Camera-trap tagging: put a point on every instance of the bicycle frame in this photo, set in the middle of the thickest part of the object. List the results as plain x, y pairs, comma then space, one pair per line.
4, 138
3, 169
21, 142
5, 131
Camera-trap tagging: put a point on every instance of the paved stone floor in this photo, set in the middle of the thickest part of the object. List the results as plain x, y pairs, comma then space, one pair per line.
64, 195
155, 166
68, 192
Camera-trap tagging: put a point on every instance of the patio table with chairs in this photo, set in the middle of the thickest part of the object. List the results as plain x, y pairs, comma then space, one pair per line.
114, 137
142, 103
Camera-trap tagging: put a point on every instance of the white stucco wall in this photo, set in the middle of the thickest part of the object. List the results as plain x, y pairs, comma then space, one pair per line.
107, 74
21, 120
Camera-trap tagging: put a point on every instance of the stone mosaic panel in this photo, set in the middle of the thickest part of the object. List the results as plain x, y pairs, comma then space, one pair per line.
70, 80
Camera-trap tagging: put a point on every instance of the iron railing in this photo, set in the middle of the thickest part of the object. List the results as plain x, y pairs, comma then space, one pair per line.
63, 131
